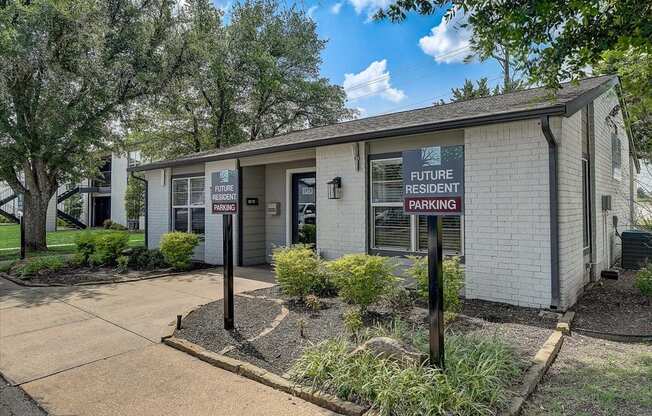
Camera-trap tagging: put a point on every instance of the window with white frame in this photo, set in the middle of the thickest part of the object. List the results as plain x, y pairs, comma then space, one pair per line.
188, 205
391, 228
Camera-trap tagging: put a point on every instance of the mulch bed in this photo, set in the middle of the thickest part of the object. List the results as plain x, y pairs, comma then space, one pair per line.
521, 328
615, 306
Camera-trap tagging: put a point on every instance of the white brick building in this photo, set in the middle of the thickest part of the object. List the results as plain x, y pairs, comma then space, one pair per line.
534, 229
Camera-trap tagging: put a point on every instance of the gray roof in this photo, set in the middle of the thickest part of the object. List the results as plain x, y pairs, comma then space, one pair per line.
518, 105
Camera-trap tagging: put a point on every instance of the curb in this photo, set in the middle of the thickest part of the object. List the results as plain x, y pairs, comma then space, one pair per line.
265, 377
24, 283
540, 364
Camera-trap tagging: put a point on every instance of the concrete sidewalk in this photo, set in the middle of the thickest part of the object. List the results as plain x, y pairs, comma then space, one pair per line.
94, 350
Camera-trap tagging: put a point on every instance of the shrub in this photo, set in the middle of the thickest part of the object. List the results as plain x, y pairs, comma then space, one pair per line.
86, 243
453, 280
117, 227
140, 258
478, 372
123, 264
177, 249
299, 271
644, 281
107, 224
352, 320
312, 302
109, 246
40, 264
362, 279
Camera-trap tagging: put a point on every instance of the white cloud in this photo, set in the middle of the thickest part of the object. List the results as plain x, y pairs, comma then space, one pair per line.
449, 41
335, 8
373, 81
311, 11
369, 7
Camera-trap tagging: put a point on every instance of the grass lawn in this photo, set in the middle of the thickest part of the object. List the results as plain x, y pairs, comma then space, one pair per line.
59, 242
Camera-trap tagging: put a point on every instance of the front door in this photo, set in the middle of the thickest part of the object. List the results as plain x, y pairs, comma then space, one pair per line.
101, 210
304, 208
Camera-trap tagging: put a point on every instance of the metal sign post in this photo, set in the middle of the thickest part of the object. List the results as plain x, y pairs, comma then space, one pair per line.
224, 200
22, 237
433, 185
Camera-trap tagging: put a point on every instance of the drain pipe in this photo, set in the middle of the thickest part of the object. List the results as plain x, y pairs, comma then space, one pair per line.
144, 181
553, 190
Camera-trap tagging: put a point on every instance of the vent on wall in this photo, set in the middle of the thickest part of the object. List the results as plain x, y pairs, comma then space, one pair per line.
606, 202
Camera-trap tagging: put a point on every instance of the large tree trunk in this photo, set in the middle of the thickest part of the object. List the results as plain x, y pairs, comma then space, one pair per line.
35, 216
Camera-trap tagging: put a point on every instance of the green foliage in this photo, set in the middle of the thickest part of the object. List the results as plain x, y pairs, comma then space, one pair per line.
299, 271
453, 280
86, 244
352, 319
117, 227
398, 299
470, 91
362, 279
177, 249
251, 77
140, 258
103, 248
478, 372
135, 199
38, 265
644, 281
122, 264
6, 266
312, 302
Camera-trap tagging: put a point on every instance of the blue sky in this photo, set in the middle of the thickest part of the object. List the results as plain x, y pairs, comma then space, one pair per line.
392, 66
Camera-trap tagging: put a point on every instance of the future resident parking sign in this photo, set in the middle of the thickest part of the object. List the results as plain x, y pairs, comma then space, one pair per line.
433, 180
224, 191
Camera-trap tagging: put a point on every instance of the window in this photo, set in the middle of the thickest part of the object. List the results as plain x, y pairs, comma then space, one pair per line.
188, 205
616, 156
391, 228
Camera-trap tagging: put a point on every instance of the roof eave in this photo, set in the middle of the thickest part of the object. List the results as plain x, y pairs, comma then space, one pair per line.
555, 110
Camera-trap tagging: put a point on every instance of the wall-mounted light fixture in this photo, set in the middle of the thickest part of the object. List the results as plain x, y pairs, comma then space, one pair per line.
335, 188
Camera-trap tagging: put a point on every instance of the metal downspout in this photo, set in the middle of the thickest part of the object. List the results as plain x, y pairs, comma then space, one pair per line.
143, 180
553, 190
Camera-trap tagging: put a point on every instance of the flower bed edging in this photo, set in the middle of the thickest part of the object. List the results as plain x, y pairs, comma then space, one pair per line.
265, 377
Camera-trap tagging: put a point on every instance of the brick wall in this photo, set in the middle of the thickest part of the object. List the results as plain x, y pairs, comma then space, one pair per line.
341, 223
507, 231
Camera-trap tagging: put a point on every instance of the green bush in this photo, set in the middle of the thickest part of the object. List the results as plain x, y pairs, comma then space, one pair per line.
299, 271
123, 264
644, 281
38, 265
177, 249
362, 279
117, 227
352, 320
86, 243
140, 258
110, 245
478, 373
453, 280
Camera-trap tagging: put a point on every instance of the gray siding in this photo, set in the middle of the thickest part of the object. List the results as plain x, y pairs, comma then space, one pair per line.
253, 216
158, 205
119, 176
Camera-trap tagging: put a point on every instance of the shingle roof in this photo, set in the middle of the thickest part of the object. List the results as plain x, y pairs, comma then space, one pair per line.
506, 107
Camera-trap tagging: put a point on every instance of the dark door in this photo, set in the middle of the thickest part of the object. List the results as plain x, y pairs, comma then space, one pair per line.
304, 208
101, 210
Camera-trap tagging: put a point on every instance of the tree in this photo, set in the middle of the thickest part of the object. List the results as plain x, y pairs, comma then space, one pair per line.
634, 66
135, 199
555, 40
253, 78
470, 91
69, 69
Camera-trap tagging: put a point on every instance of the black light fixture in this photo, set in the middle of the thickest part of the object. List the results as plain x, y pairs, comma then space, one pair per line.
335, 188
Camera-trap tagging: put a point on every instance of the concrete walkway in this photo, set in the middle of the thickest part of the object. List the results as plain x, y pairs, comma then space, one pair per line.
95, 350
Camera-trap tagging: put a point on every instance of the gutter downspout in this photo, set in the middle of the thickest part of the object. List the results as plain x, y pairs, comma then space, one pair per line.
553, 181
143, 180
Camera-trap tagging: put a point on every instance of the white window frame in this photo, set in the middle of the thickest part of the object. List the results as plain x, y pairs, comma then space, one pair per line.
188, 205
414, 219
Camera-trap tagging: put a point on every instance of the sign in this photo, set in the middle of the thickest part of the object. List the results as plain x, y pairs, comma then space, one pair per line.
433, 180
224, 191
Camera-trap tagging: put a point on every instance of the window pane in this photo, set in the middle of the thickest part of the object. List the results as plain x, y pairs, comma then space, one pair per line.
391, 228
451, 239
180, 192
181, 219
197, 221
386, 180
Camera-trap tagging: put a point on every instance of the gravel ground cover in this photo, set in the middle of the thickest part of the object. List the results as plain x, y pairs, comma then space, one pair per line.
15, 402
615, 306
521, 328
595, 377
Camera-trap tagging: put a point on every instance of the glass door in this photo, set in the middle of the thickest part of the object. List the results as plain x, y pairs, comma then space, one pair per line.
304, 208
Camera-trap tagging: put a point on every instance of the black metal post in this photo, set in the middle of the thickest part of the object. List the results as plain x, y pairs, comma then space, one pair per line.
435, 291
22, 237
227, 250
